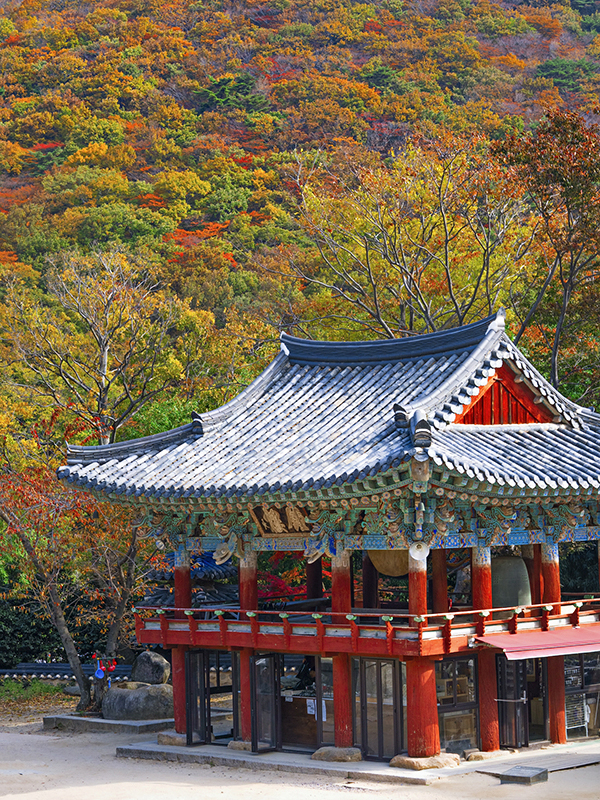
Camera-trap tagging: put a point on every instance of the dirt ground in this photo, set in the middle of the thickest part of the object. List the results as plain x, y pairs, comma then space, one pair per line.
64, 766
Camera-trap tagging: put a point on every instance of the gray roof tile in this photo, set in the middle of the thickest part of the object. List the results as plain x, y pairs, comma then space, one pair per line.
323, 413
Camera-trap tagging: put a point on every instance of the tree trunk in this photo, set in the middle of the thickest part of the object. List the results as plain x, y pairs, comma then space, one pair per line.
56, 614
60, 624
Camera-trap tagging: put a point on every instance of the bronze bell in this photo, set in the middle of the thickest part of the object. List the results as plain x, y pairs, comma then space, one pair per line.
510, 582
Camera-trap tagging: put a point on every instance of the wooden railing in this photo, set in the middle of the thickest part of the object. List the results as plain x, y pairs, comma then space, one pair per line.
368, 634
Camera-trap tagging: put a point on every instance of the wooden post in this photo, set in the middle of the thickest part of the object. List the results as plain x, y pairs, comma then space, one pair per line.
247, 582
370, 578
551, 575
314, 579
183, 588
556, 699
439, 584
488, 707
539, 575
598, 551
178, 678
532, 556
342, 700
481, 577
341, 594
245, 695
555, 664
417, 586
182, 598
423, 730
481, 588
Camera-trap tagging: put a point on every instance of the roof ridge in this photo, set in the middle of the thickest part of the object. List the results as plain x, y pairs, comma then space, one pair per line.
459, 377
309, 351
86, 454
209, 419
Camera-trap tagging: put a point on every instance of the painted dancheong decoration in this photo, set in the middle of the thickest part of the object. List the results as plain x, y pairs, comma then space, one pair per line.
412, 447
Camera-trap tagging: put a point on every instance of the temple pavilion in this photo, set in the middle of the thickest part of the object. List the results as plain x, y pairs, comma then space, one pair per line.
405, 457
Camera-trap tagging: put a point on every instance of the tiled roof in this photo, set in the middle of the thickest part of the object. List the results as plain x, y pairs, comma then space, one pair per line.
333, 413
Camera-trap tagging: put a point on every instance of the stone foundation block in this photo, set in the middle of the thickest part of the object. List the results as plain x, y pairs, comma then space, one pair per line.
442, 761
240, 746
484, 755
172, 738
337, 754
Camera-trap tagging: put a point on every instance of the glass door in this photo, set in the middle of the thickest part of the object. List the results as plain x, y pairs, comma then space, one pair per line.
512, 702
378, 707
197, 687
265, 688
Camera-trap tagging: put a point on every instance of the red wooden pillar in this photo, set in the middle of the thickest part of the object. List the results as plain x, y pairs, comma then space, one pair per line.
439, 584
555, 664
182, 599
481, 588
248, 588
481, 577
341, 590
556, 699
183, 588
248, 592
178, 678
551, 575
532, 555
314, 579
537, 569
342, 700
370, 578
417, 586
245, 695
423, 731
488, 707
341, 602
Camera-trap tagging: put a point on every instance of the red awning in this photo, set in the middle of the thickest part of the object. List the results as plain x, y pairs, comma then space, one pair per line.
541, 644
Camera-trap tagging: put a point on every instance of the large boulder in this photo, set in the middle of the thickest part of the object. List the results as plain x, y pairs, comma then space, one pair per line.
150, 667
145, 702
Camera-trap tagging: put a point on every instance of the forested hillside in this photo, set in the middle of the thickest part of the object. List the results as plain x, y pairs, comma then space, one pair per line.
211, 140
181, 181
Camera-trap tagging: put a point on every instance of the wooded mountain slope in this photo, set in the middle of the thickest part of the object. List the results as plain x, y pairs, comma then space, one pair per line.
203, 137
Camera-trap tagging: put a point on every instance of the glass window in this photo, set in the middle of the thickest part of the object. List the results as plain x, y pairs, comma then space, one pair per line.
582, 672
591, 669
573, 672
328, 726
458, 730
444, 682
465, 681
456, 687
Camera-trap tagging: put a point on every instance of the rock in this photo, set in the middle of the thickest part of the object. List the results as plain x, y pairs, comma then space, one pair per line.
172, 738
483, 755
147, 702
150, 667
441, 761
72, 691
239, 745
131, 685
337, 754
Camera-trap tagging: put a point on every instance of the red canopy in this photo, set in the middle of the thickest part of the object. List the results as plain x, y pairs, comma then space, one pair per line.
541, 644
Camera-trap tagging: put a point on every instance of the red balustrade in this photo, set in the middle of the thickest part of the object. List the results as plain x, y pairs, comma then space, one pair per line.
366, 634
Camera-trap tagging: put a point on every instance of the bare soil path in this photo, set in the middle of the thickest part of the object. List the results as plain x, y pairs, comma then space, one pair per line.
63, 766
